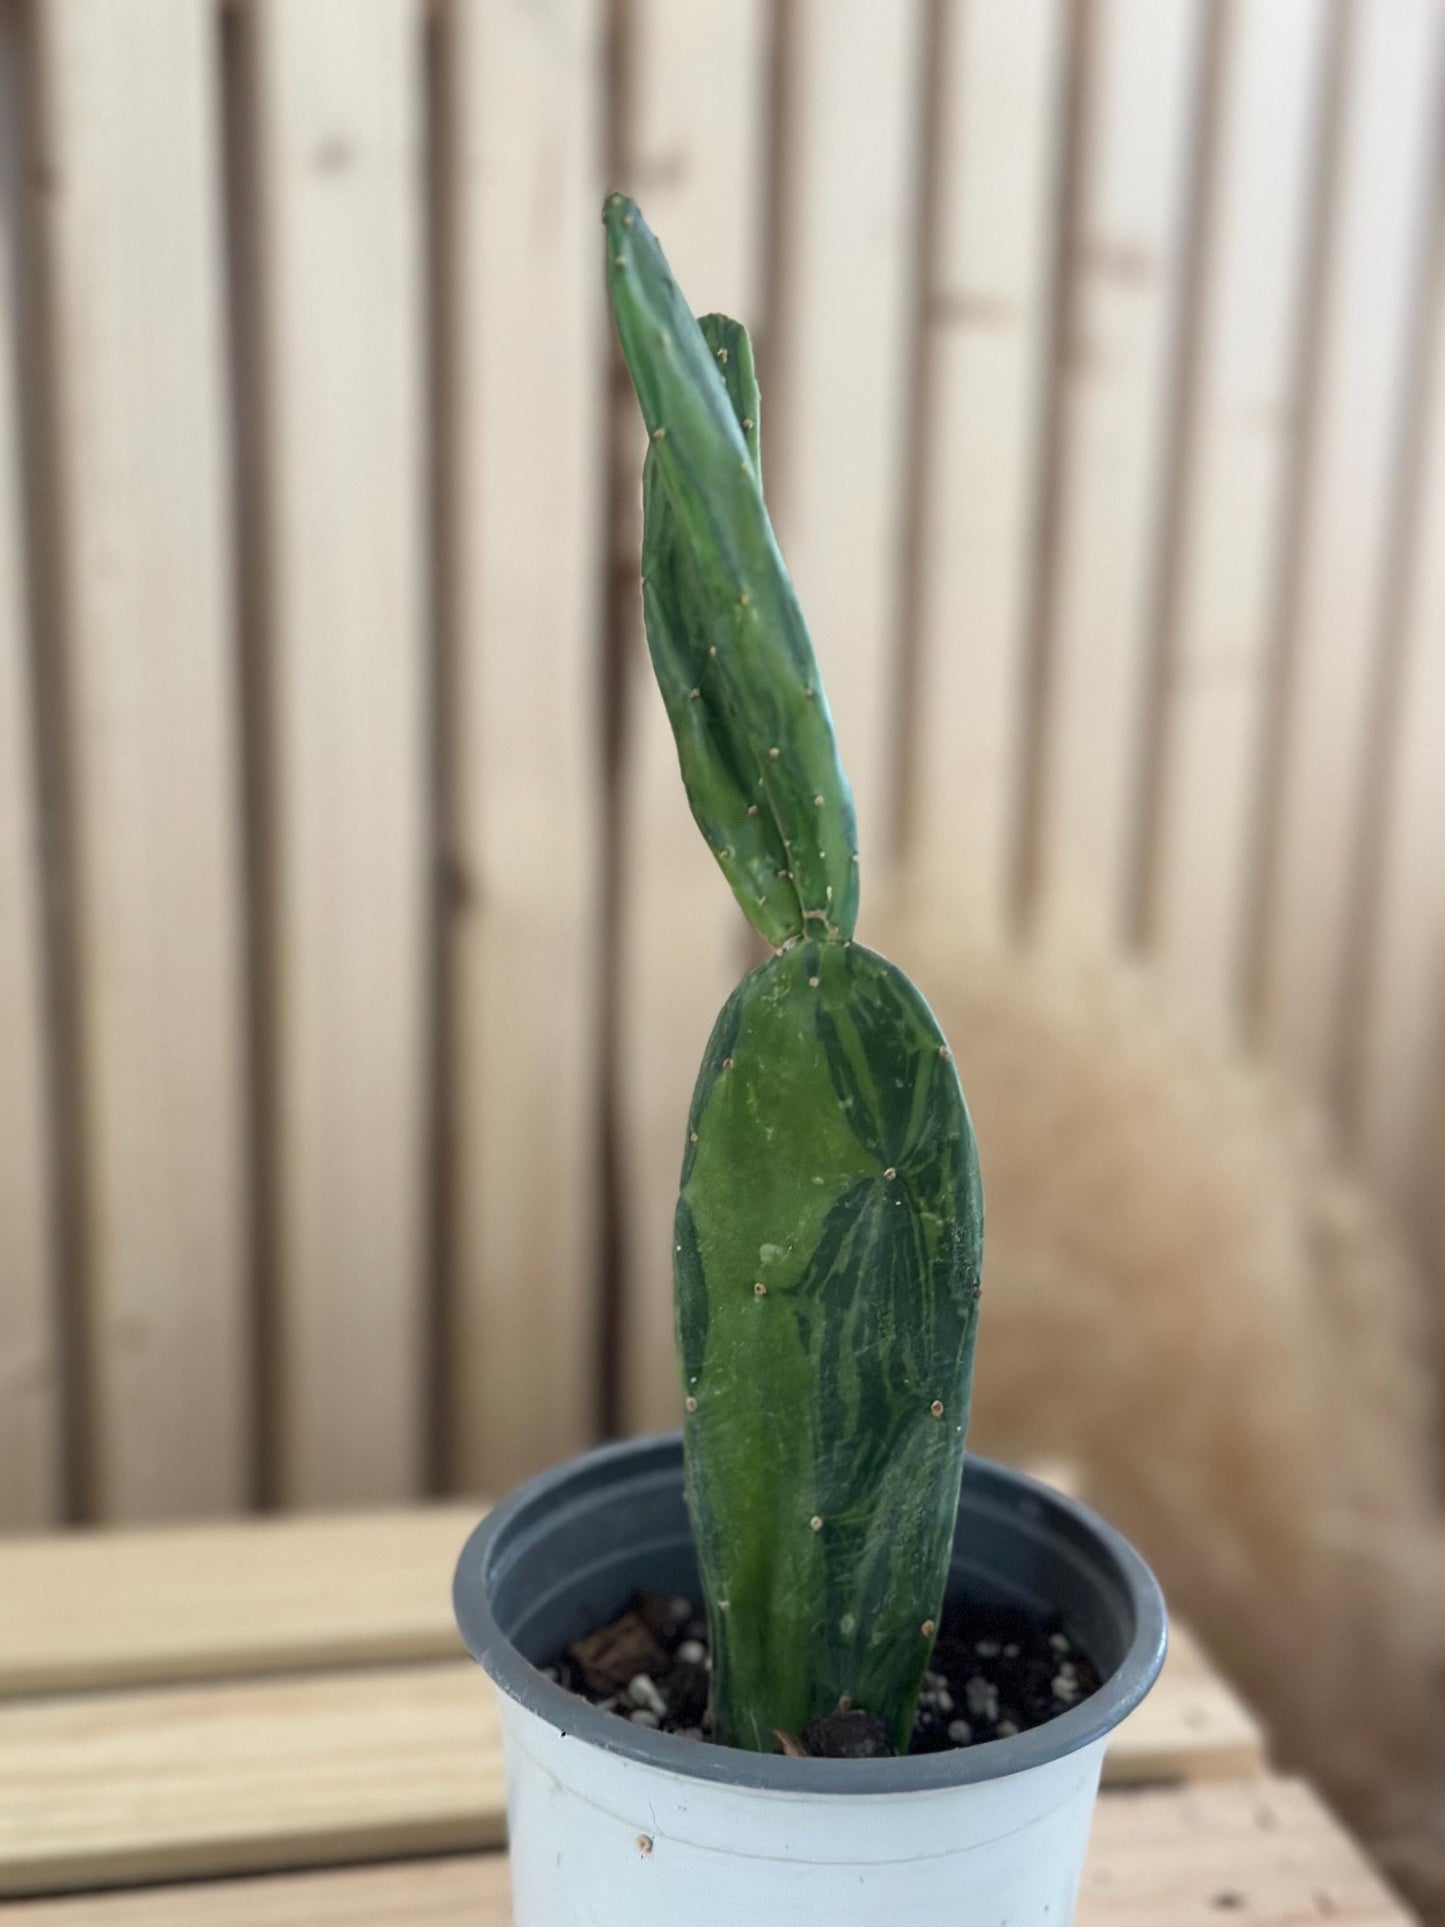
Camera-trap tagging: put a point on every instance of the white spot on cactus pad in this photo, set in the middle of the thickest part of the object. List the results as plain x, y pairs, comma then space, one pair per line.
767, 1253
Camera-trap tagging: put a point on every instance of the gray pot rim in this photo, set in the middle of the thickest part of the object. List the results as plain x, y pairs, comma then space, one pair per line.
661, 1457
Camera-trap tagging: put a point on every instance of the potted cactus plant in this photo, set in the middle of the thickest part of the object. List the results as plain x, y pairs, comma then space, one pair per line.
827, 1262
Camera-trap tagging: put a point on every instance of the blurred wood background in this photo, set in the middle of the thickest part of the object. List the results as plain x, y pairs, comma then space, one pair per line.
356, 947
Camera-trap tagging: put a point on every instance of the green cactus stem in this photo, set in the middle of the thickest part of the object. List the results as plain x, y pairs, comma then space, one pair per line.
830, 1223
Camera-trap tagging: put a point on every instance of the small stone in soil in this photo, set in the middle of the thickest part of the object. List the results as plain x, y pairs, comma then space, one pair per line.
614, 1655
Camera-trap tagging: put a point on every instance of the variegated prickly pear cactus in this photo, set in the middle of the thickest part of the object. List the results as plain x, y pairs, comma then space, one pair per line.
829, 1229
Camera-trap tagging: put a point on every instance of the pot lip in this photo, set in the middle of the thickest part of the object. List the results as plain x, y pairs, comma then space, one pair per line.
660, 1457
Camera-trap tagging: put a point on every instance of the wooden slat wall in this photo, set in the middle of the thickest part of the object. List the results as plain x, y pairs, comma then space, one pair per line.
694, 157
1103, 426
986, 319
839, 347
127, 101
522, 160
1235, 470
338, 150
1115, 366
1333, 632
30, 1417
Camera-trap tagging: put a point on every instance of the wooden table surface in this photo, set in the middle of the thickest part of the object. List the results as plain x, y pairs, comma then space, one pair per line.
185, 1709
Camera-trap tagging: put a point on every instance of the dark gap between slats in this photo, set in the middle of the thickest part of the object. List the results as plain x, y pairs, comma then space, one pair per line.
1300, 480
936, 51
1040, 620
1177, 474
618, 590
44, 544
245, 363
447, 893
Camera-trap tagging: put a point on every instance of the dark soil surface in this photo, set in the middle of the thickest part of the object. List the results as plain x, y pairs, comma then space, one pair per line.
993, 1673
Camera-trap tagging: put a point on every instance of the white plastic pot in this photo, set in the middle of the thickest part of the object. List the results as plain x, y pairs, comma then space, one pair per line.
614, 1825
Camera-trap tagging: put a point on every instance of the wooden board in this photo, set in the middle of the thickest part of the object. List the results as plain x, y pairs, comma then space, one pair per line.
1193, 1726
1237, 455
840, 341
694, 161
987, 316
126, 1787
1119, 336
30, 1464
129, 129
98, 1609
1264, 1854
354, 1764
1333, 631
337, 191
521, 442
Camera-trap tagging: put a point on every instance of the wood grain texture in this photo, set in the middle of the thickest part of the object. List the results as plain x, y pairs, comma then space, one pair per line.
1220, 627
1269, 1845
337, 150
127, 1787
130, 217
695, 141
834, 430
1334, 628
1121, 315
30, 1417
986, 313
100, 1789
525, 316
84, 1610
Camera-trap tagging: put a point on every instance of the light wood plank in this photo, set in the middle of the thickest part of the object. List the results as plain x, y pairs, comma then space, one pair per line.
1401, 1119
338, 157
122, 1788
1263, 1853
1193, 1726
695, 157
100, 1609
128, 121
1218, 671
525, 311
30, 1483
987, 316
1120, 335
838, 354
1271, 1846
169, 1782
87, 1609
1334, 656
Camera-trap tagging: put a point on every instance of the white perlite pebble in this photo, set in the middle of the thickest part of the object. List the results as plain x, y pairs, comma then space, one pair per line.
982, 1697
642, 1717
987, 1649
960, 1732
943, 1701
692, 1652
1006, 1729
1010, 1652
680, 1609
1064, 1688
642, 1691
1059, 1643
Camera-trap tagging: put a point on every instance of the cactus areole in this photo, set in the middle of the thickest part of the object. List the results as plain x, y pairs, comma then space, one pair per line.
829, 1229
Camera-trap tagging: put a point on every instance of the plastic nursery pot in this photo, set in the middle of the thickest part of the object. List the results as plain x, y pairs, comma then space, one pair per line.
620, 1826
